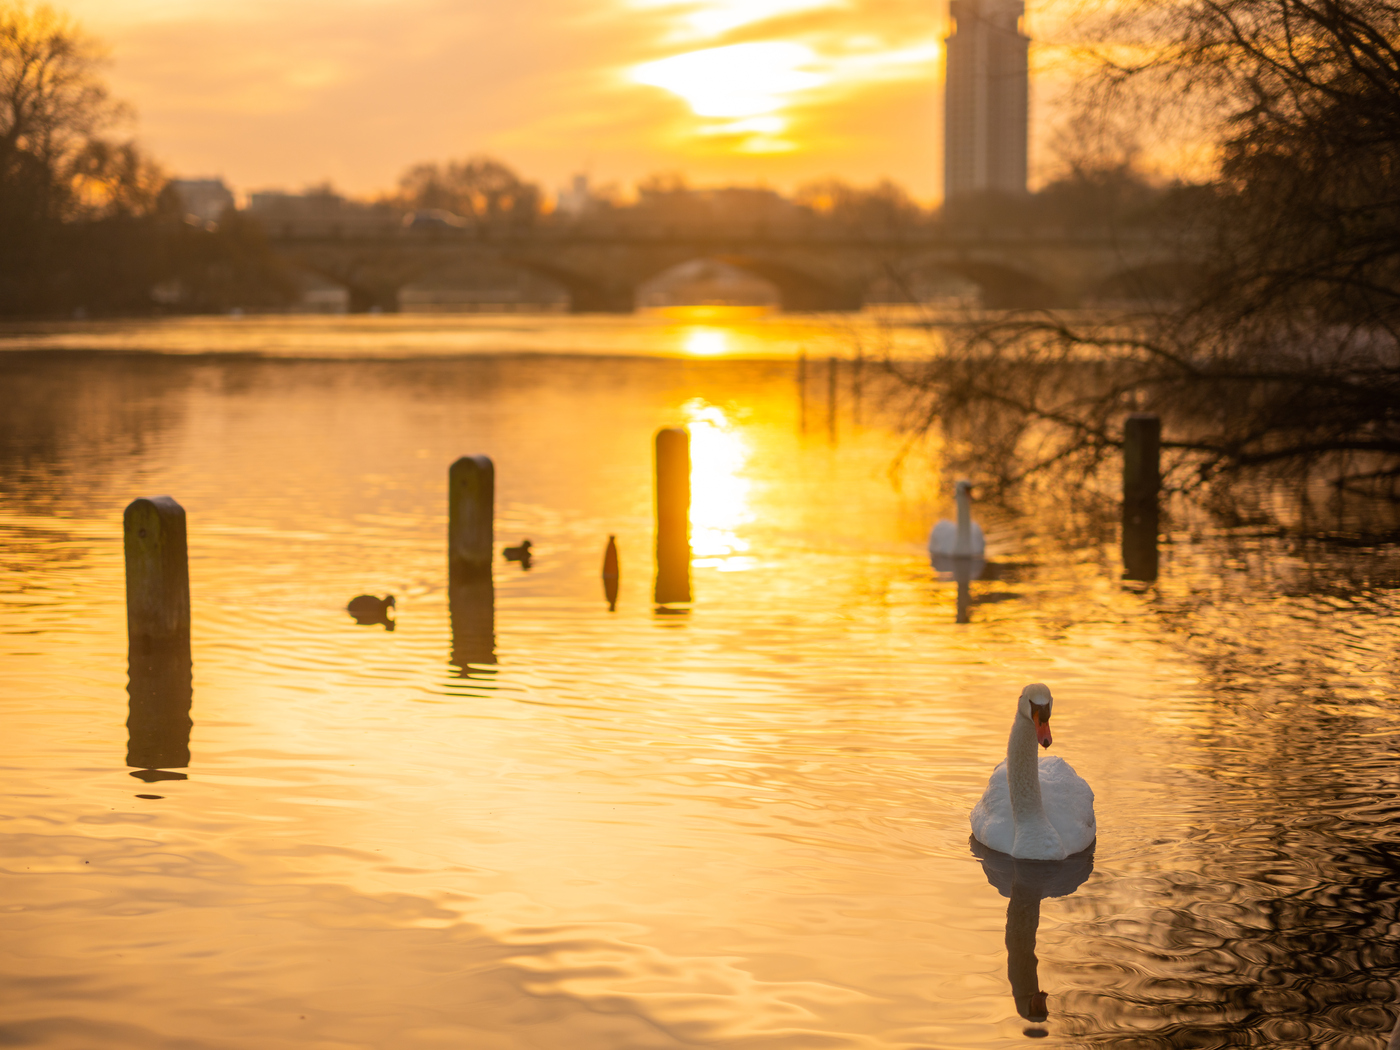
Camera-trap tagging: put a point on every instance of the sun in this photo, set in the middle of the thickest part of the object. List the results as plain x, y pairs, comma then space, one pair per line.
740, 88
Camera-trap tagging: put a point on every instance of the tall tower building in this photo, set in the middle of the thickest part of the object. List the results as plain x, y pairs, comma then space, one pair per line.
985, 103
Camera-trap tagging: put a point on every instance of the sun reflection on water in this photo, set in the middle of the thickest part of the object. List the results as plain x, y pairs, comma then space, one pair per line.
706, 342
719, 489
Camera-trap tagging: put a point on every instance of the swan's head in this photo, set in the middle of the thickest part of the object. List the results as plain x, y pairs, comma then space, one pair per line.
1035, 705
962, 489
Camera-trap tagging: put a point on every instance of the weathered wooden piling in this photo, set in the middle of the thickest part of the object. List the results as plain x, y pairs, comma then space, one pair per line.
1142, 482
672, 515
471, 499
158, 634
832, 371
610, 574
157, 570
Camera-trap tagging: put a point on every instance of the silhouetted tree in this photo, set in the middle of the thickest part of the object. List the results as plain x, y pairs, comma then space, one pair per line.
1284, 360
883, 207
479, 188
86, 221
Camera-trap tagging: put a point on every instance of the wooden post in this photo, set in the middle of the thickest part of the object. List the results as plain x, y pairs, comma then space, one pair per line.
160, 686
610, 574
471, 499
831, 373
1142, 481
672, 515
157, 571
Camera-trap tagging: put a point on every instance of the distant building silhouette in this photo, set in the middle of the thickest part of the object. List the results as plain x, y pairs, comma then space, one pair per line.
577, 198
203, 200
985, 99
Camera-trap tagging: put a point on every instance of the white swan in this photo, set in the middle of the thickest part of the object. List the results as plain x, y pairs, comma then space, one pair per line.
1034, 808
963, 539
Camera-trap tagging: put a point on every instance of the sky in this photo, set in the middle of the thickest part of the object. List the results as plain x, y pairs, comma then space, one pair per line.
290, 93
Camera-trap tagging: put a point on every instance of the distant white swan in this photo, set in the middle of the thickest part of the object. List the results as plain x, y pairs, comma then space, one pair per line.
1034, 808
962, 539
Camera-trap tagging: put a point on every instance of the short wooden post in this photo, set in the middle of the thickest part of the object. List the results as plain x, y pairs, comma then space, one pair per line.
672, 515
471, 499
831, 374
157, 570
158, 635
610, 574
1142, 482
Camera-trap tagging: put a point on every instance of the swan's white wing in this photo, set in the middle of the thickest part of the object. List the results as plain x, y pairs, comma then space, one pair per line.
979, 542
992, 822
1069, 803
943, 538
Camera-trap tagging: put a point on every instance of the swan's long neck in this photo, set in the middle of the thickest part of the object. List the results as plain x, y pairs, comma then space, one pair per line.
1023, 773
962, 545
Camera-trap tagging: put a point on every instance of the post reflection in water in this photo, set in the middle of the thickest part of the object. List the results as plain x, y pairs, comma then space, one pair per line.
472, 609
1026, 883
161, 690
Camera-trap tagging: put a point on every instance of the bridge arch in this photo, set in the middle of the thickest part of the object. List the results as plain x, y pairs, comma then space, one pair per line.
798, 290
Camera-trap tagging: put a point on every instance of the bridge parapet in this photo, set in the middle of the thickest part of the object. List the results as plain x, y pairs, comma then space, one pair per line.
814, 267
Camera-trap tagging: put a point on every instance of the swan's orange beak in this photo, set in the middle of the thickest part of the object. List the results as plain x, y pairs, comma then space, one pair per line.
1042, 729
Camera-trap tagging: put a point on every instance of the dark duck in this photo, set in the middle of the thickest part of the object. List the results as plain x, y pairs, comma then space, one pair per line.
369, 610
520, 554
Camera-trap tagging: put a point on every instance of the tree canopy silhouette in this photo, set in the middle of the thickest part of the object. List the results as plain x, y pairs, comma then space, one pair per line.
1282, 362
480, 189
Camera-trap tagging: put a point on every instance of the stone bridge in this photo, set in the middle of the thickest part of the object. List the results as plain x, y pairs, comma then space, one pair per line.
812, 270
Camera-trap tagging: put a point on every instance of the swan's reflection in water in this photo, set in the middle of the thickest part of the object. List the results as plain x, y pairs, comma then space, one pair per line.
161, 690
472, 609
1026, 883
963, 570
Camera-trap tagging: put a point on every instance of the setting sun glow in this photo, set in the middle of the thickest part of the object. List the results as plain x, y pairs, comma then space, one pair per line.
741, 80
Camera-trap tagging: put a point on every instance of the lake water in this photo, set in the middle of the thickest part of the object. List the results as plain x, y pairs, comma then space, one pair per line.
744, 825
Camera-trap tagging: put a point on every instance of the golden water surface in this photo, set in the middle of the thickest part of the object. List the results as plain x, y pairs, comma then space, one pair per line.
744, 825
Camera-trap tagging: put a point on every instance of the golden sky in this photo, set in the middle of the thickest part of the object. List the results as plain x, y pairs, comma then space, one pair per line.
285, 93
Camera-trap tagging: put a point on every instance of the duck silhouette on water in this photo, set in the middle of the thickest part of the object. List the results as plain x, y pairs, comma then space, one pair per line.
369, 610
520, 554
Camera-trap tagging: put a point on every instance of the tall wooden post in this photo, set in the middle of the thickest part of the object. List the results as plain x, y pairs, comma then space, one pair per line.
471, 498
160, 685
157, 570
672, 515
1142, 482
610, 573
